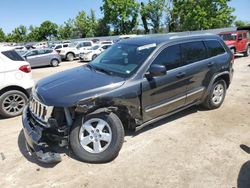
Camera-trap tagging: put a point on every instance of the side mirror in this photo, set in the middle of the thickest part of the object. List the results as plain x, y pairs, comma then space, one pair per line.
157, 70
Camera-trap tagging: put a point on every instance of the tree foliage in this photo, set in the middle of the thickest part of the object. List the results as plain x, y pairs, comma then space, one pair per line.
121, 14
152, 14
48, 30
240, 23
2, 35
67, 30
202, 14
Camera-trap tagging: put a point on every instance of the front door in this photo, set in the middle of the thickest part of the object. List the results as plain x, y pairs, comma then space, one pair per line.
163, 94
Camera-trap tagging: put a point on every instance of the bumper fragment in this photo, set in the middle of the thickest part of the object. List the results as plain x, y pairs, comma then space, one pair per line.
34, 138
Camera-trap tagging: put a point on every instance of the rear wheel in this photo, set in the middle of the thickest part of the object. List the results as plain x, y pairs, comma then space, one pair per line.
12, 103
97, 137
54, 62
216, 95
247, 53
70, 57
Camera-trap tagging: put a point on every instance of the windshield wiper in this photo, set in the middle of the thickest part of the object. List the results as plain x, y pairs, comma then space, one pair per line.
104, 71
91, 67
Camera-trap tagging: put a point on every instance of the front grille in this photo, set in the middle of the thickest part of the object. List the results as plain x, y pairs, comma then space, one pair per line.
40, 111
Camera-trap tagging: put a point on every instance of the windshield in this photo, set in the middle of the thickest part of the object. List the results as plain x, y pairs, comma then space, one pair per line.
95, 47
228, 36
123, 59
73, 44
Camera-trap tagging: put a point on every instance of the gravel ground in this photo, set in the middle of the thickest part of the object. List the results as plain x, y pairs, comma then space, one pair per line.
194, 148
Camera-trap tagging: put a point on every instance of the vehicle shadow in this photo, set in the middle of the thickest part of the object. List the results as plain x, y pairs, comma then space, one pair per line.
243, 180
168, 119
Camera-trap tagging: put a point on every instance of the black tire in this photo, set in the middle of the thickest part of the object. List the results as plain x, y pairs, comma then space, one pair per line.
54, 62
70, 56
94, 56
112, 149
247, 52
5, 109
232, 50
209, 102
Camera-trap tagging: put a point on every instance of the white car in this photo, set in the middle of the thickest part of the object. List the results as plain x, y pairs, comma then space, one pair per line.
92, 53
41, 45
59, 47
15, 82
73, 50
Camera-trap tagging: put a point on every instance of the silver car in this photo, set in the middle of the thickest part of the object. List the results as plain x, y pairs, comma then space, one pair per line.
42, 57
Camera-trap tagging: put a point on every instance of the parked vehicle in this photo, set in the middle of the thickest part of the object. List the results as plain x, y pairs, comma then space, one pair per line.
237, 41
15, 82
92, 53
59, 47
133, 83
40, 45
106, 42
42, 57
73, 50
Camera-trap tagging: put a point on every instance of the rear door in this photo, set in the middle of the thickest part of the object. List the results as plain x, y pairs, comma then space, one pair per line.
164, 94
32, 58
194, 59
45, 57
241, 43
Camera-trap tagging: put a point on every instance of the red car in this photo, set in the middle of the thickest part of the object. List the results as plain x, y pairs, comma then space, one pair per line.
237, 41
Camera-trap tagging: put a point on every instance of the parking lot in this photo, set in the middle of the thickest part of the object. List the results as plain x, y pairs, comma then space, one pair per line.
194, 148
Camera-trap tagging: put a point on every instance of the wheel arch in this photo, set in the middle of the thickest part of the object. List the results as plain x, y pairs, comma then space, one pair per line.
14, 87
70, 52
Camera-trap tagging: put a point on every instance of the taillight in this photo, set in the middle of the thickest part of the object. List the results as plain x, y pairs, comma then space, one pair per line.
25, 68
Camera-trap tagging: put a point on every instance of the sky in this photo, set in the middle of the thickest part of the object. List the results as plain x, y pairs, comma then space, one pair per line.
33, 12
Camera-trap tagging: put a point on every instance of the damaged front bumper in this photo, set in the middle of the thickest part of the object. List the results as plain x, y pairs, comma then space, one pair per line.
36, 141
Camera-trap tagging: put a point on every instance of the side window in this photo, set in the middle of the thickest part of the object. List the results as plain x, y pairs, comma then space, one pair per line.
87, 44
65, 45
41, 52
58, 47
240, 36
244, 35
170, 57
214, 48
193, 52
32, 53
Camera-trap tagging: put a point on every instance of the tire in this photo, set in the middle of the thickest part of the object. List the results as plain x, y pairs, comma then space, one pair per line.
54, 62
94, 56
70, 56
232, 50
106, 151
12, 103
247, 52
215, 99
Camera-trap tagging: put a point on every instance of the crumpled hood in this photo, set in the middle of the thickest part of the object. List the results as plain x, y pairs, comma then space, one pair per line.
67, 88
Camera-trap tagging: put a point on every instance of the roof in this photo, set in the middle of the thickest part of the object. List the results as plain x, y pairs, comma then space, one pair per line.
164, 38
239, 31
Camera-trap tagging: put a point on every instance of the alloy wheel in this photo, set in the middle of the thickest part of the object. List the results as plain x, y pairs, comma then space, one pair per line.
95, 135
218, 94
13, 104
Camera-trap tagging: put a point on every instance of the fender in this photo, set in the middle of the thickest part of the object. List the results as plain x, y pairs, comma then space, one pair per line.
213, 80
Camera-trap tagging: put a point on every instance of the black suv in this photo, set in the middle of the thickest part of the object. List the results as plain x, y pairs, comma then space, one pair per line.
135, 82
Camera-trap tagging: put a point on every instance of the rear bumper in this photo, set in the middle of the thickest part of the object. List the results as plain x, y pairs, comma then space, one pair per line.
34, 136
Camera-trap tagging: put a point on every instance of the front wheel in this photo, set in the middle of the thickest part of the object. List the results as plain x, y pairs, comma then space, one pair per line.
247, 53
54, 62
70, 56
216, 95
97, 138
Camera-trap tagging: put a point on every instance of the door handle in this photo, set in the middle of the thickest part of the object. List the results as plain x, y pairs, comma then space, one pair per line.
210, 64
181, 75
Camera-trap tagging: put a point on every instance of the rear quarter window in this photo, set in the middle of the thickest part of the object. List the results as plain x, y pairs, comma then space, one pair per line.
13, 55
214, 48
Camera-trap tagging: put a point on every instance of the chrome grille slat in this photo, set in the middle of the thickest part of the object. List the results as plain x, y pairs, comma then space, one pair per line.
40, 111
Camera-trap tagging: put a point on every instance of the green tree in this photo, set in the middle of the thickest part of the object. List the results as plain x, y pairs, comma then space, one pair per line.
152, 14
81, 23
121, 14
48, 30
2, 35
240, 23
200, 15
19, 34
34, 34
102, 29
67, 30
91, 24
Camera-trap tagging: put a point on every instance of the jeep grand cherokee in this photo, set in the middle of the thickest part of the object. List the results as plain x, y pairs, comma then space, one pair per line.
135, 82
